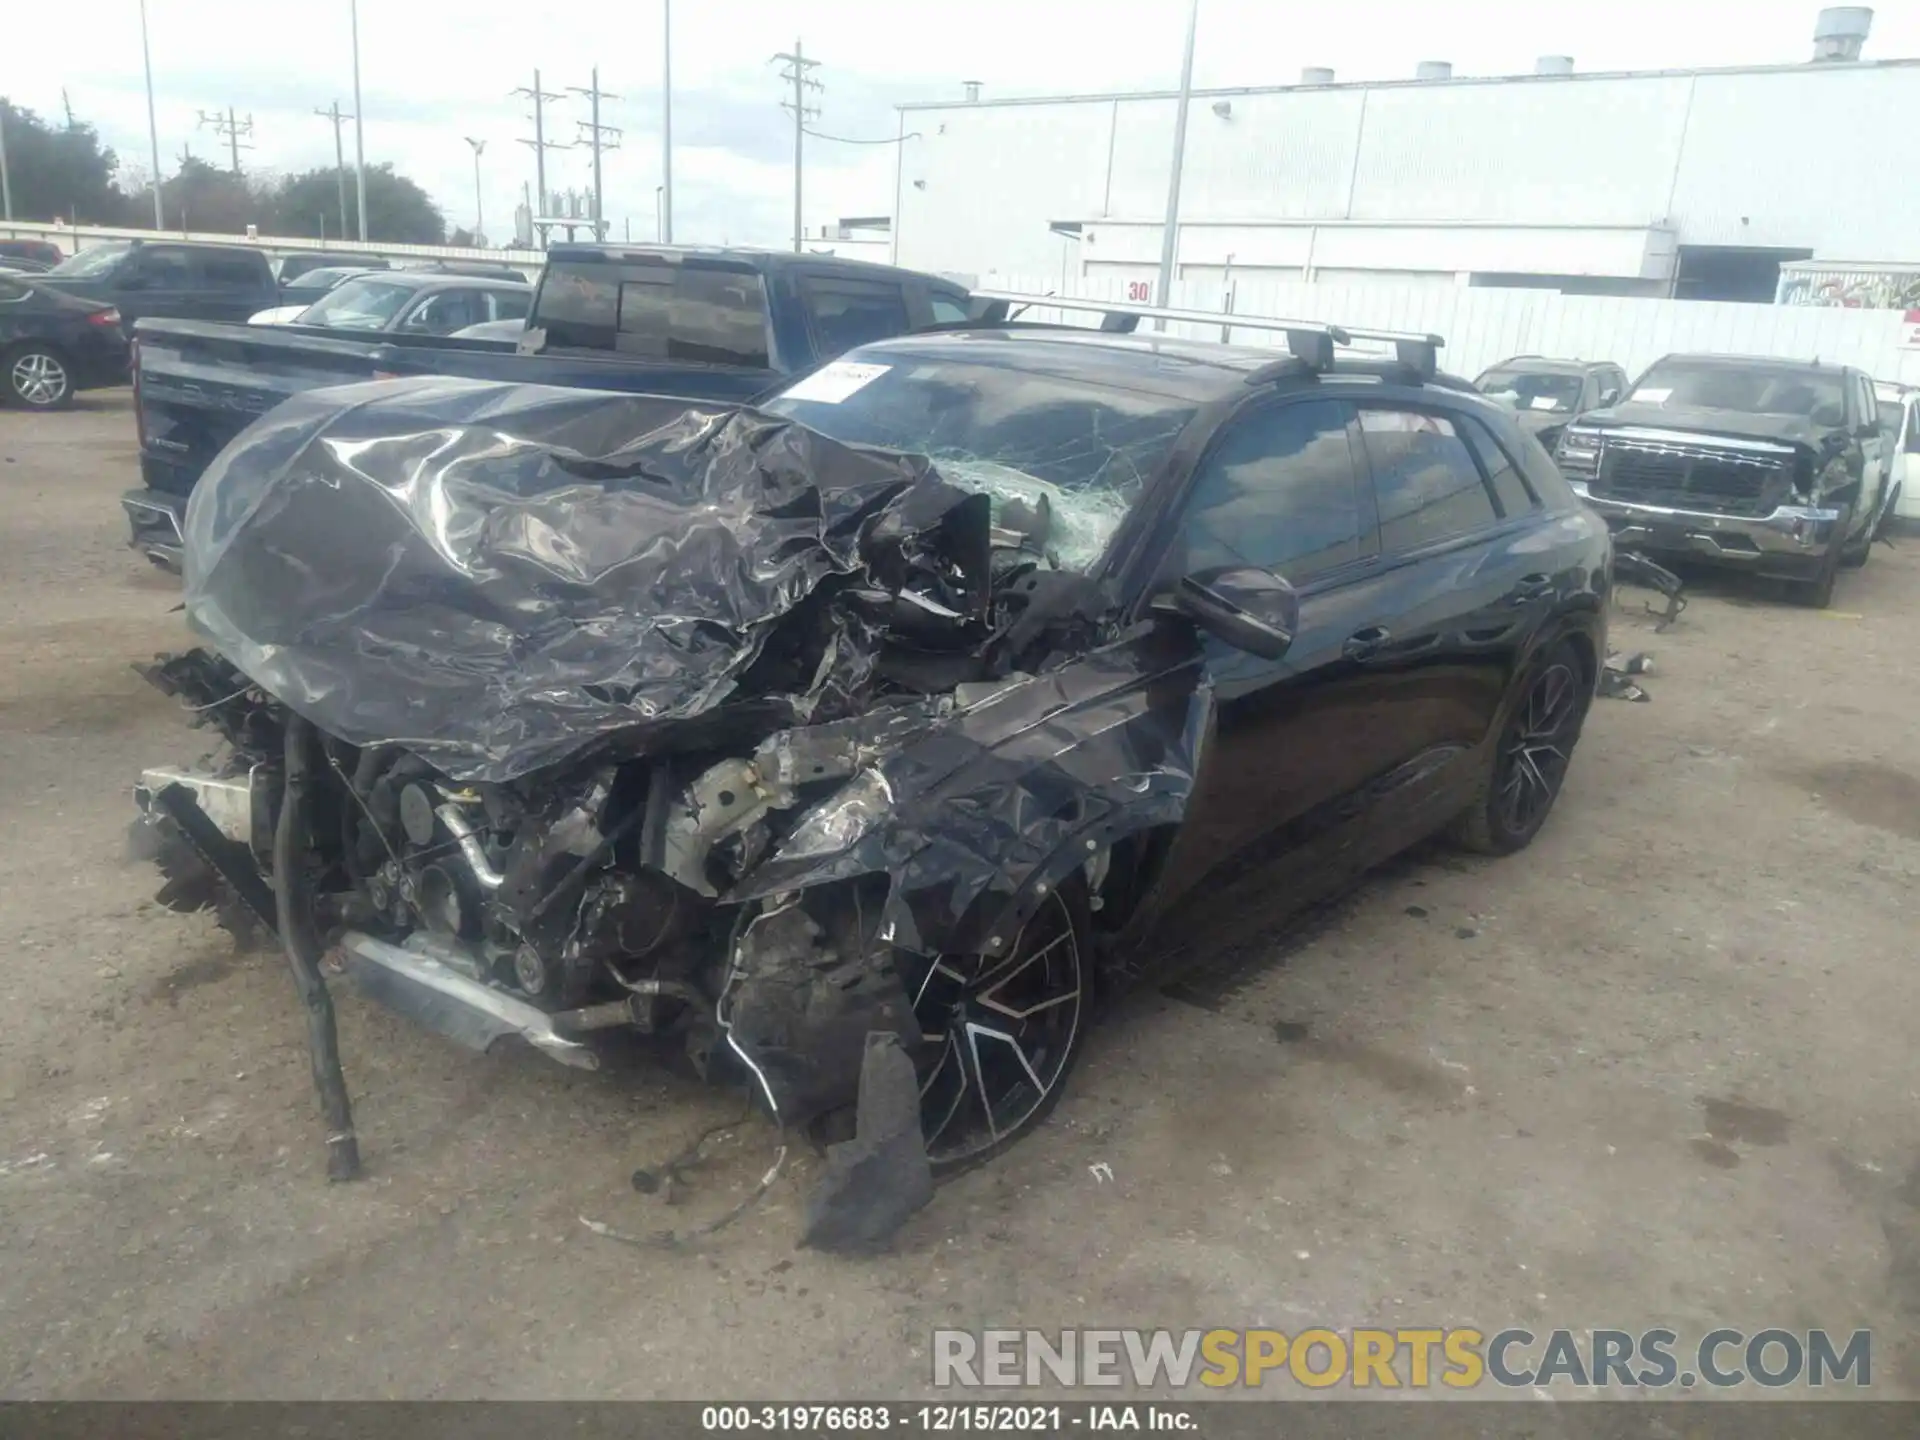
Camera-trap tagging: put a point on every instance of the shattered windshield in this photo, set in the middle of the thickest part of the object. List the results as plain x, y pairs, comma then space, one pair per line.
1082, 452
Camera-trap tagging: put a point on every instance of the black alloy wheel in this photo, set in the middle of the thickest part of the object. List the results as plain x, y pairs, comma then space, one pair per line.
1001, 1033
1530, 762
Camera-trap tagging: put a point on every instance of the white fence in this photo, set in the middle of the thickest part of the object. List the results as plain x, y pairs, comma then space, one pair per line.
1481, 326
72, 238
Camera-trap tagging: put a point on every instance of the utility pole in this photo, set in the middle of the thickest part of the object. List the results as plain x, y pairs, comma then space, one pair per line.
339, 162
231, 126
153, 130
597, 136
540, 143
1170, 227
663, 197
359, 132
797, 67
479, 216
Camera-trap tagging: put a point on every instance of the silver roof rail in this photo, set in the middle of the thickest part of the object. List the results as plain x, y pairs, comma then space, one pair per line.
1311, 341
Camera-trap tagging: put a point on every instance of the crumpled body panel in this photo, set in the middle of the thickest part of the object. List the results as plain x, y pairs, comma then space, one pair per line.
495, 577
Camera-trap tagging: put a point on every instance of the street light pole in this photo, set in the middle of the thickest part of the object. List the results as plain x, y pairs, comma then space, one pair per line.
479, 218
153, 129
1169, 230
359, 133
663, 197
6, 183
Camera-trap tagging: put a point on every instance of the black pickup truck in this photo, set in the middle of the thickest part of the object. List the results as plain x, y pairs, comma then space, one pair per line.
1772, 466
694, 323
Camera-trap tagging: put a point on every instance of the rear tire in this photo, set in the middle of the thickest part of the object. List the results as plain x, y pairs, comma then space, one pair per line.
35, 376
1530, 759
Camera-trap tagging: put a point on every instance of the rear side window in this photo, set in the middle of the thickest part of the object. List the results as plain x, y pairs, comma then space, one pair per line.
162, 268
1425, 483
660, 312
1508, 488
509, 304
1277, 492
231, 272
846, 313
949, 311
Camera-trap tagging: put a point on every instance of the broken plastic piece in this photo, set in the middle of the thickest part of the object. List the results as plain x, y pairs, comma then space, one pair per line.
874, 1181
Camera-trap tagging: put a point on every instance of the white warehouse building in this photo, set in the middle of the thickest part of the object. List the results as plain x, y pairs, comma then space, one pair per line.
1691, 184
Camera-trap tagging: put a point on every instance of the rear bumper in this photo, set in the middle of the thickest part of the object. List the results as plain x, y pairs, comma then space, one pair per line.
1791, 542
155, 518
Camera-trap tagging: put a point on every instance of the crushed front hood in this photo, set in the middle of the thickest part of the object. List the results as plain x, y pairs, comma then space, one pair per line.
496, 577
1704, 421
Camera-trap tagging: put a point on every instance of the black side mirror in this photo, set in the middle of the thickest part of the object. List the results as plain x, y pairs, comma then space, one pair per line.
1609, 395
1249, 609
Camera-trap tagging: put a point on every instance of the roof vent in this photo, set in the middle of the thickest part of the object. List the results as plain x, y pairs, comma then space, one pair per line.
972, 87
1316, 75
1553, 65
1433, 70
1840, 32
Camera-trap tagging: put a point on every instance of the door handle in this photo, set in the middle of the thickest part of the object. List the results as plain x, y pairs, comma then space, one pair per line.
1530, 588
1363, 644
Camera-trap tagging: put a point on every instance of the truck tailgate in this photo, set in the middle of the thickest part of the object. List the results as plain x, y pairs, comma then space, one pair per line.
627, 374
200, 384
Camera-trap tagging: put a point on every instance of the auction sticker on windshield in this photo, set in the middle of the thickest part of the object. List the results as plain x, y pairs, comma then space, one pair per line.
835, 381
1543, 402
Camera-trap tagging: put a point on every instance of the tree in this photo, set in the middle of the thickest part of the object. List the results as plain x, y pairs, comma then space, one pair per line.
398, 211
59, 171
206, 198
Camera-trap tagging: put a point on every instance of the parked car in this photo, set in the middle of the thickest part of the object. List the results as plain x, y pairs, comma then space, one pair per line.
1545, 394
169, 279
479, 269
1899, 407
1771, 466
410, 303
289, 268
926, 754
720, 325
53, 344
42, 254
365, 306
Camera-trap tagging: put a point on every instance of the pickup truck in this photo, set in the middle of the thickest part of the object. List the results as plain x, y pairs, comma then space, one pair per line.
699, 324
1776, 467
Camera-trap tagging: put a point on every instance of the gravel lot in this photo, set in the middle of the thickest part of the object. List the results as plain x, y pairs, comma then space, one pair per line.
1657, 1070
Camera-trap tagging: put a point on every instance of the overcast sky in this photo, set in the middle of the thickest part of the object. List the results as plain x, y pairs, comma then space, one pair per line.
436, 71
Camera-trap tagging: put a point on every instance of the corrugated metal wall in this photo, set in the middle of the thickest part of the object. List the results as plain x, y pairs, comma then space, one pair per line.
1753, 157
1482, 326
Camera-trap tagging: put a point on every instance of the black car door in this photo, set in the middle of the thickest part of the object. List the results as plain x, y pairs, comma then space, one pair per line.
1296, 740
1466, 586
233, 285
157, 281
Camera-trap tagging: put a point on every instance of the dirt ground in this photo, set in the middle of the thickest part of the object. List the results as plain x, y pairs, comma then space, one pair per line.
1657, 1070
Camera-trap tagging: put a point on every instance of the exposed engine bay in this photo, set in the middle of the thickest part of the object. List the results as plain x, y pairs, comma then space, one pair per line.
550, 714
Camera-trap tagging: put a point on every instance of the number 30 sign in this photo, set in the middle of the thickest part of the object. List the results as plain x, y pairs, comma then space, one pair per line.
1140, 291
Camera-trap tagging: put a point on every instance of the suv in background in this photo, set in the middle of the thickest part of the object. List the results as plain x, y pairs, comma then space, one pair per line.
1768, 465
1544, 394
289, 268
169, 280
39, 254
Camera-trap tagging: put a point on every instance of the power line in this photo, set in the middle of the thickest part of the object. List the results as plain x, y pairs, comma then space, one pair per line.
883, 140
539, 142
597, 137
334, 114
797, 75
231, 126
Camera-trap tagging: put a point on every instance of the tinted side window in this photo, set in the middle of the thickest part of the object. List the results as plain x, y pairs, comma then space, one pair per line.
580, 307
1424, 480
160, 268
948, 311
1508, 488
509, 304
846, 313
1277, 492
709, 317
230, 272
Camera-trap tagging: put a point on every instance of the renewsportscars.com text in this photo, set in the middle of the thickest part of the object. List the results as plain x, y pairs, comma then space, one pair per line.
1458, 1358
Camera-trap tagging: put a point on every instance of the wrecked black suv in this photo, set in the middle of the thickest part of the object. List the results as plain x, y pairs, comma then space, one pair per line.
860, 741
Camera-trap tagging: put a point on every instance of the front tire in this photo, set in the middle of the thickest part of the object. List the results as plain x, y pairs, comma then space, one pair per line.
1817, 593
35, 376
1003, 1032
1530, 758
